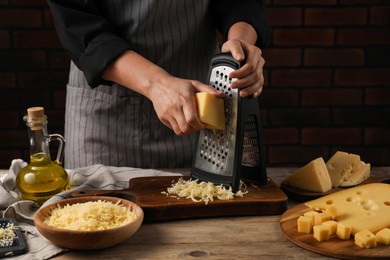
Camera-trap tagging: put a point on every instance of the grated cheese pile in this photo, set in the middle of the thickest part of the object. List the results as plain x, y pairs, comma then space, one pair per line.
203, 191
7, 235
91, 216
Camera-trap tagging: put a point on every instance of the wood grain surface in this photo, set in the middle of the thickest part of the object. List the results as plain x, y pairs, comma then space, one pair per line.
266, 199
334, 247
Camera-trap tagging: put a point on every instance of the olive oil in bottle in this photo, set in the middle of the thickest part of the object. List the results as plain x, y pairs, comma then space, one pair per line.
41, 178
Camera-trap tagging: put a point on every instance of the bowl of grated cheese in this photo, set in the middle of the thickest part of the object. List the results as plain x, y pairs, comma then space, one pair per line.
88, 223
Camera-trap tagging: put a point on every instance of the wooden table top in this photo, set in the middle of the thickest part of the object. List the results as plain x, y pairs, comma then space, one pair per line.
254, 237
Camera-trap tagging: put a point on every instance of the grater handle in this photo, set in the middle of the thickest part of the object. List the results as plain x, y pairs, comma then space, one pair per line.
225, 59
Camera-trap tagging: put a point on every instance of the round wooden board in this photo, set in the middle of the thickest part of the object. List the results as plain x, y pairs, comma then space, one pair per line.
334, 247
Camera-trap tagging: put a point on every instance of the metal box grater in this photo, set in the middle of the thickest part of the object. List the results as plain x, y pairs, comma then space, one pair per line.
224, 157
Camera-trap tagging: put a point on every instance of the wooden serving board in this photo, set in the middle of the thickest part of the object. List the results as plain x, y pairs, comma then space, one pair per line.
266, 199
305, 195
337, 248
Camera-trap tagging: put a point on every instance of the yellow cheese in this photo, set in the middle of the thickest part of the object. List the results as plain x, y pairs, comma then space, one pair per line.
313, 176
364, 207
365, 239
346, 169
305, 224
321, 217
321, 232
332, 226
343, 231
383, 236
333, 212
311, 214
211, 110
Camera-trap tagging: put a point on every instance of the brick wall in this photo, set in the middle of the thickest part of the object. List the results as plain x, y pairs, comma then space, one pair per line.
327, 73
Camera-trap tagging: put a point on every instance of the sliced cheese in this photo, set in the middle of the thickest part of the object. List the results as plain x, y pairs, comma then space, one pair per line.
313, 176
346, 169
211, 110
364, 207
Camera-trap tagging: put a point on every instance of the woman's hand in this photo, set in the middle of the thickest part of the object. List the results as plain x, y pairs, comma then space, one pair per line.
174, 102
240, 43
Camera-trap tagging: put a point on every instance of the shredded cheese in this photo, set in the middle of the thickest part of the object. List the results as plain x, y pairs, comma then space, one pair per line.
7, 235
91, 216
199, 191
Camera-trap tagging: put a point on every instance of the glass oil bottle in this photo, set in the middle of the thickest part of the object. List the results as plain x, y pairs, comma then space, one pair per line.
41, 178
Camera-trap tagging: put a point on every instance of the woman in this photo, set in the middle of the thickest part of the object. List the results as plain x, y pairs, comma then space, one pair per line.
135, 67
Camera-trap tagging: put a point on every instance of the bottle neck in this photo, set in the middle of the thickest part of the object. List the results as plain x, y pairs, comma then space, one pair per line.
38, 136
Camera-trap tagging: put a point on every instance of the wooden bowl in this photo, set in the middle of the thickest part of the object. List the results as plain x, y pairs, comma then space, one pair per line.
87, 240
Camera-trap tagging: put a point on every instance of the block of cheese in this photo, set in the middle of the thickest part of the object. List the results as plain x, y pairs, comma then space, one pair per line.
332, 226
211, 110
343, 231
305, 224
346, 169
365, 239
321, 232
383, 236
321, 217
364, 207
313, 176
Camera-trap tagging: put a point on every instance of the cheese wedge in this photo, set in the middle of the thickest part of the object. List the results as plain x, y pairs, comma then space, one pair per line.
346, 169
313, 176
211, 110
364, 207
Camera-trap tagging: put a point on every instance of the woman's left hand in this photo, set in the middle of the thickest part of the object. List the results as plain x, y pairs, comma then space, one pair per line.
249, 78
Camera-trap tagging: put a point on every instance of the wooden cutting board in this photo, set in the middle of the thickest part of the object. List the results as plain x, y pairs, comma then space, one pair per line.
266, 199
337, 248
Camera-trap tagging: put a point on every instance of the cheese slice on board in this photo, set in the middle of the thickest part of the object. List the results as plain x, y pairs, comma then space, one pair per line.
313, 176
211, 110
363, 207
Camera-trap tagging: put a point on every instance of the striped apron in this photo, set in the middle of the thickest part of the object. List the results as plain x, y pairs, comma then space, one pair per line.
115, 126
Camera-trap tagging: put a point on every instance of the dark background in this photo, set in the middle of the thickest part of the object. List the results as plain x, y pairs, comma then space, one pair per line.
327, 78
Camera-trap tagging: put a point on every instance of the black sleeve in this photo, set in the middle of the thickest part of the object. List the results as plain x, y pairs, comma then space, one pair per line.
228, 12
90, 40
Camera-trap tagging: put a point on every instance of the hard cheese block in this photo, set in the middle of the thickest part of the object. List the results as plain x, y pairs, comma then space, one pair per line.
211, 110
363, 207
313, 176
346, 169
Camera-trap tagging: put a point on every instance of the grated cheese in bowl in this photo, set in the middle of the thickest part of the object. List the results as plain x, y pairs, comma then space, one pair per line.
199, 191
90, 216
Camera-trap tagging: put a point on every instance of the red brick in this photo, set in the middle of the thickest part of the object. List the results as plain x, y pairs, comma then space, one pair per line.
280, 97
335, 16
299, 117
282, 57
321, 136
377, 136
333, 57
22, 60
363, 2
331, 97
4, 39
17, 18
375, 155
43, 79
304, 37
294, 155
59, 60
9, 119
36, 39
22, 98
7, 80
377, 96
7, 155
301, 77
305, 2
29, 2
14, 139
362, 77
380, 15
363, 36
49, 19
360, 116
59, 97
284, 16
281, 135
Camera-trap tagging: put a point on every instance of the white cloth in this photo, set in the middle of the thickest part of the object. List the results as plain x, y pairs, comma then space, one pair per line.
92, 177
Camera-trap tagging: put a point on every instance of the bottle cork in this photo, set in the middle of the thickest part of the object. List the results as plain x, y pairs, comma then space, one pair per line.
36, 117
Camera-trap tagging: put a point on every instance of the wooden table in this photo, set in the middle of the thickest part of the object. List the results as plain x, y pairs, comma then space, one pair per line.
254, 237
